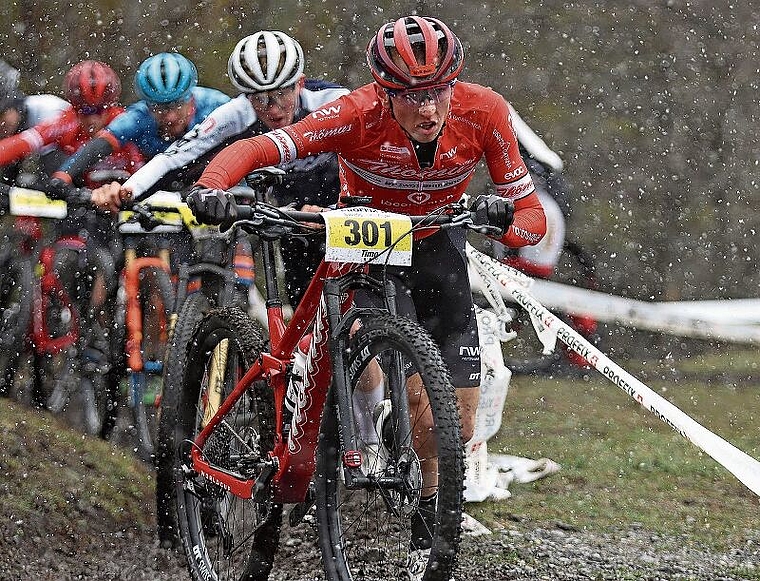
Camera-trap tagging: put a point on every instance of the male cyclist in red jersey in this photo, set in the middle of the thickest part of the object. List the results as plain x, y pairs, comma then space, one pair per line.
410, 143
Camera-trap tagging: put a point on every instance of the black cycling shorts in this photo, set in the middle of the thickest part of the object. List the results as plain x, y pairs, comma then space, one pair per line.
435, 291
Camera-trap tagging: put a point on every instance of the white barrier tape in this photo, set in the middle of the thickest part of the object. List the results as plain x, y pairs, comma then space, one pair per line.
736, 320
740, 464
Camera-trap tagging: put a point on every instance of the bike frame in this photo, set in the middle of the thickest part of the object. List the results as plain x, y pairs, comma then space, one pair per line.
48, 285
323, 310
294, 450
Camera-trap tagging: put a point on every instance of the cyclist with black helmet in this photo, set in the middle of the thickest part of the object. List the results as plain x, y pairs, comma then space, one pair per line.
410, 143
267, 67
171, 103
19, 112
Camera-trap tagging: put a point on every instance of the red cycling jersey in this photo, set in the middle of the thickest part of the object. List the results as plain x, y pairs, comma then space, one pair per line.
67, 134
378, 160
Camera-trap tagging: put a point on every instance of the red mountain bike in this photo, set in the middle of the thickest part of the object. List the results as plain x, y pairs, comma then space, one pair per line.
242, 452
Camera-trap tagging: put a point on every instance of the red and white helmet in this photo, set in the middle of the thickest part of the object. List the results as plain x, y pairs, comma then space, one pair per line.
92, 86
414, 52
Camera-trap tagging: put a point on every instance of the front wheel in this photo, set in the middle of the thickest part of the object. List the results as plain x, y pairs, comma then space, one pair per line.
145, 387
225, 537
388, 530
193, 309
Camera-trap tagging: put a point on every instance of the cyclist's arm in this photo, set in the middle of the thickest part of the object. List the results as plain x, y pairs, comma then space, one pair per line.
511, 178
197, 145
92, 152
332, 128
21, 145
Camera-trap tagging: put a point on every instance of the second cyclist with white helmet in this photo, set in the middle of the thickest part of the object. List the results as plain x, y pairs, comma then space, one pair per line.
267, 67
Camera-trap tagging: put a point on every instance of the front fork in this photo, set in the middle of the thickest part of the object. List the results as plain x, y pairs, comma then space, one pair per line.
341, 395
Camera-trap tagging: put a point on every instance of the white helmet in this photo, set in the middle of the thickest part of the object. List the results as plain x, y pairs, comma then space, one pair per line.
267, 60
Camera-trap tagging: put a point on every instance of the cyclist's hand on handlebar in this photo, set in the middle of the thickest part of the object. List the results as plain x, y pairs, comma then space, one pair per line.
494, 211
58, 188
110, 196
213, 207
313, 208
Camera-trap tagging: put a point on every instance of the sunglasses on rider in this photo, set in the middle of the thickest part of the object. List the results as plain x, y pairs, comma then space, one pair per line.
160, 108
91, 109
265, 99
419, 97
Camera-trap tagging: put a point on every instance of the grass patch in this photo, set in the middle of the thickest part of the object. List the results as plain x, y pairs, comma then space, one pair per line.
623, 467
58, 478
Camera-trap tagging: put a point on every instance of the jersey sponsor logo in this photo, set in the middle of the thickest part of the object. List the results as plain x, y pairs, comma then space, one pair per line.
394, 150
208, 125
418, 197
284, 145
516, 190
504, 145
326, 112
469, 351
515, 173
325, 133
403, 205
450, 153
403, 171
525, 235
466, 121
391, 176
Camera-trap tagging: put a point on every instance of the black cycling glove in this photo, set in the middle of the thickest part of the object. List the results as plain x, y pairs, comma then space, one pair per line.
213, 207
493, 210
58, 189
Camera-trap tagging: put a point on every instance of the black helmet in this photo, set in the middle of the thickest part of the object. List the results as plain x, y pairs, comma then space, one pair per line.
11, 96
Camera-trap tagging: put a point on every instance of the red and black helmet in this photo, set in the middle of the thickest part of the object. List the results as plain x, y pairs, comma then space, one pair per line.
92, 86
414, 52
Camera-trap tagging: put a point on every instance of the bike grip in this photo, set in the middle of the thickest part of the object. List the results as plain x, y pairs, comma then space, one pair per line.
244, 212
79, 197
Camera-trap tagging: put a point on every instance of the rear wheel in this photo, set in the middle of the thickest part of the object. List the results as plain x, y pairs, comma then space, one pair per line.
223, 535
374, 532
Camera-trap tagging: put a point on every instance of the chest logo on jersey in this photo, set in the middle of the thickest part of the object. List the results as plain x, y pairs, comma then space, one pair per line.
418, 197
449, 154
326, 112
394, 151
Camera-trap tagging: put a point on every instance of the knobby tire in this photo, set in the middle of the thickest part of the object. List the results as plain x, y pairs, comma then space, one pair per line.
233, 537
360, 536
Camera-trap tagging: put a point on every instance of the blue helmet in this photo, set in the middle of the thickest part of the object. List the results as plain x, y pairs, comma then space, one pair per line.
165, 77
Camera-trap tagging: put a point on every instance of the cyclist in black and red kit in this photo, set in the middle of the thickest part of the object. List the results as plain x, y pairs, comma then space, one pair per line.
19, 112
410, 142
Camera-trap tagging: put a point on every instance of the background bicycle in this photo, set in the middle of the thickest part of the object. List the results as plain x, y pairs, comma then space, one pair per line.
151, 232
219, 275
63, 326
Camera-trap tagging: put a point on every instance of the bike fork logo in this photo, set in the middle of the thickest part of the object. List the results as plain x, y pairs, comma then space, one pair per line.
201, 562
303, 400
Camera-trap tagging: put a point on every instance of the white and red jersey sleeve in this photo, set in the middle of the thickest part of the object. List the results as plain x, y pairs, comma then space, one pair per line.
48, 132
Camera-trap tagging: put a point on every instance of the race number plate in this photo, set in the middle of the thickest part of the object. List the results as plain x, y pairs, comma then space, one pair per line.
366, 235
24, 202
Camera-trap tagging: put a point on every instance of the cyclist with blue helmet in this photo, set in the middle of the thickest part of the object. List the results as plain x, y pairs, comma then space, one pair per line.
171, 102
